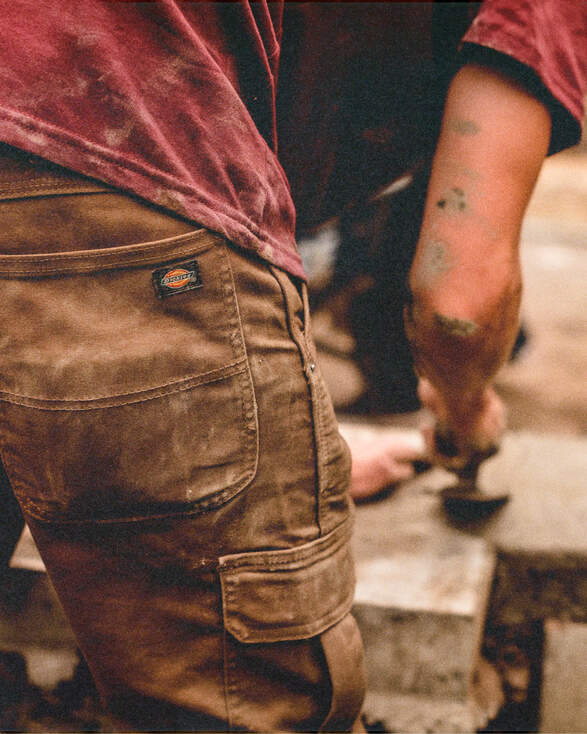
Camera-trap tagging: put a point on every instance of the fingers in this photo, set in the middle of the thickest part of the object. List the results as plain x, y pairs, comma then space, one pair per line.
401, 471
369, 478
382, 461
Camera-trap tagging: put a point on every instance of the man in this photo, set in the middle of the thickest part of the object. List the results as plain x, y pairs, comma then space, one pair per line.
164, 424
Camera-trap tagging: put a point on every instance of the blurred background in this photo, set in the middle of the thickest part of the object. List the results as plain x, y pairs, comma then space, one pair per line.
544, 385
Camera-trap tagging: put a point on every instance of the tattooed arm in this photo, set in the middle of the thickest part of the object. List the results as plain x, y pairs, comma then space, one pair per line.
465, 279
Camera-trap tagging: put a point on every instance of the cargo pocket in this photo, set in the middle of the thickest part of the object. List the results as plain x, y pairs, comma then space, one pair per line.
286, 612
125, 390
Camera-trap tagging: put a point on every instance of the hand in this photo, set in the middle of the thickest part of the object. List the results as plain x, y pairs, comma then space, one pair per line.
458, 444
381, 460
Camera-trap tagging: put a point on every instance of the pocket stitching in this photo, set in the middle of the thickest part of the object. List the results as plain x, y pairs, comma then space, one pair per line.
108, 258
109, 401
250, 438
299, 554
248, 428
236, 340
337, 541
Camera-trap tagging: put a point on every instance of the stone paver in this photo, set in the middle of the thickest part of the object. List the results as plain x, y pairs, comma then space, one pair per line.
564, 682
420, 604
539, 535
32, 623
423, 575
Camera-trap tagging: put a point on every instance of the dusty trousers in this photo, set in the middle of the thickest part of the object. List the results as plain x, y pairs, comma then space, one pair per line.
166, 431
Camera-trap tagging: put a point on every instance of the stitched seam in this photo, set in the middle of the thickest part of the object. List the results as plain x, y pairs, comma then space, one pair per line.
73, 269
267, 565
23, 172
197, 507
325, 447
299, 340
160, 251
194, 380
250, 438
298, 631
229, 295
337, 537
111, 250
226, 674
8, 189
232, 677
294, 565
136, 168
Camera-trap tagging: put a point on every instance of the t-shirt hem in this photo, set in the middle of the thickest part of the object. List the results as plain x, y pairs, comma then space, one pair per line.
156, 187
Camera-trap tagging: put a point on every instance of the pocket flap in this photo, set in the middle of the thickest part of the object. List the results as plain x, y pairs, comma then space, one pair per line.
293, 594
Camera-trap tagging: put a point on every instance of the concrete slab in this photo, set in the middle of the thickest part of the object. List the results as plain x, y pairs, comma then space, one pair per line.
423, 576
418, 653
420, 604
564, 682
46, 667
26, 555
418, 714
547, 478
539, 535
32, 623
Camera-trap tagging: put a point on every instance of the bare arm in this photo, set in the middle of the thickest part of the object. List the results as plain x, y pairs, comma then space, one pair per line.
466, 279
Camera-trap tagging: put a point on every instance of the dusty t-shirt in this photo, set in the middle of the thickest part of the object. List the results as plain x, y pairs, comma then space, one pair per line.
171, 100
175, 101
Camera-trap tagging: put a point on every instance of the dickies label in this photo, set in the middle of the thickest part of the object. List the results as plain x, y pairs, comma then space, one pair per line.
177, 278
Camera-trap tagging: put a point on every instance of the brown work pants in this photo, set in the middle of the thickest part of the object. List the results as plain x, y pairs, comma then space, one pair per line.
166, 430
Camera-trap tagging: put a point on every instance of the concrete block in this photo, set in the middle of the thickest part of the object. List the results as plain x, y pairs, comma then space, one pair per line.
420, 605
33, 623
411, 714
25, 554
421, 571
536, 586
564, 681
421, 608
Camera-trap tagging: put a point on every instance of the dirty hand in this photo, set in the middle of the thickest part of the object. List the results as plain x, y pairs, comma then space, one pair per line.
463, 443
381, 461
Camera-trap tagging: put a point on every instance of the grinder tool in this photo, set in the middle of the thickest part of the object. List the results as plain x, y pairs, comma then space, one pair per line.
466, 497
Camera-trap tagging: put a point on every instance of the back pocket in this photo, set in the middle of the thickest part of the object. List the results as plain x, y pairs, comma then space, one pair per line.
124, 382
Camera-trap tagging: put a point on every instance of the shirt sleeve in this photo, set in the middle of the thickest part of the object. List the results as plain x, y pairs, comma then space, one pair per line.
543, 45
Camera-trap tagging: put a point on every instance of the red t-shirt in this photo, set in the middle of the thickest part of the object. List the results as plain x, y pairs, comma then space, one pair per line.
360, 111
548, 36
175, 101
171, 100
